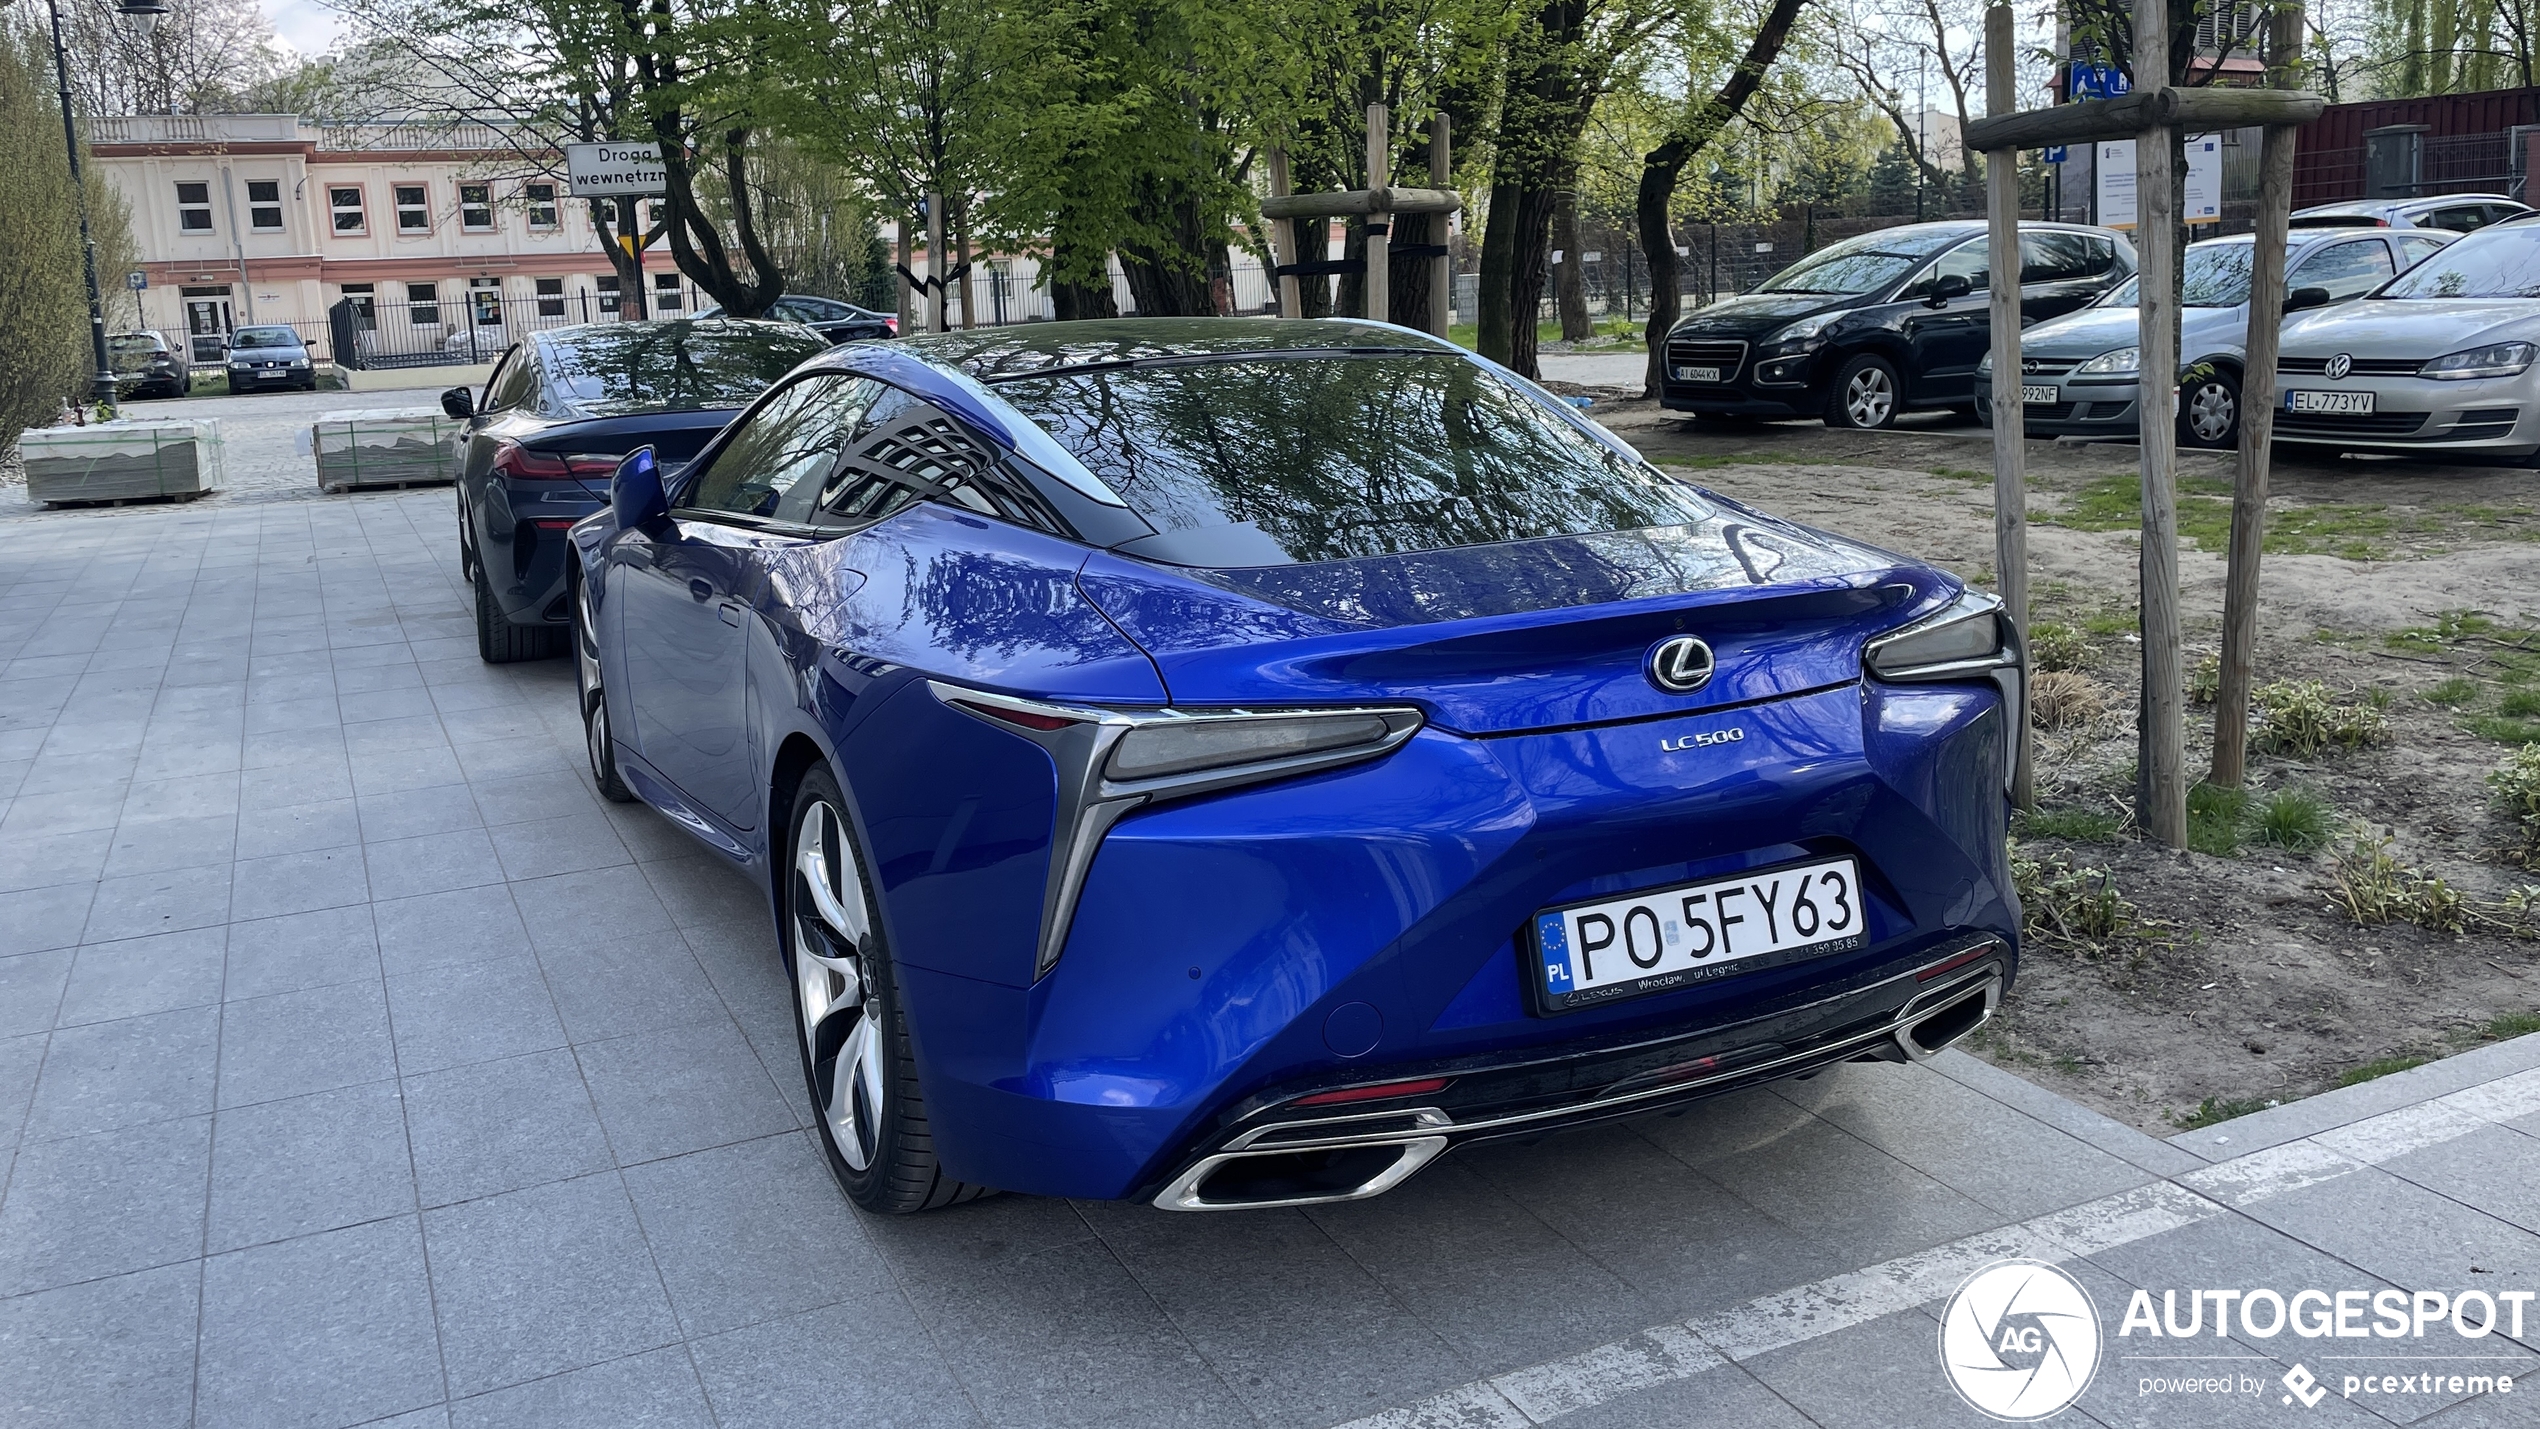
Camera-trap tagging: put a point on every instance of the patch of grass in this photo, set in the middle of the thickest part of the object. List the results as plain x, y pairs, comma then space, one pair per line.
2301, 718
2357, 531
2506, 1025
2520, 704
2503, 730
2452, 693
2055, 646
2213, 1111
2214, 816
2111, 622
2377, 1067
1960, 473
2292, 819
2079, 826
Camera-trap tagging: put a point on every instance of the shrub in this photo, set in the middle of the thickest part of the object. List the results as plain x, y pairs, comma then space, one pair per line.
2204, 683
2060, 699
2375, 887
2301, 718
2081, 826
2294, 819
2514, 787
2059, 647
2063, 903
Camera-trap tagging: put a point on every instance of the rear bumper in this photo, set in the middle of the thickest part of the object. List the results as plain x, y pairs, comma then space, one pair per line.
520, 535
1237, 951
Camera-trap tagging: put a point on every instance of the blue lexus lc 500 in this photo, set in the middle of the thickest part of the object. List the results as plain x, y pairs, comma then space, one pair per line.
1231, 763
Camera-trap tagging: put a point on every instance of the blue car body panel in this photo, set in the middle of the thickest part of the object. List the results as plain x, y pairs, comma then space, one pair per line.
1324, 928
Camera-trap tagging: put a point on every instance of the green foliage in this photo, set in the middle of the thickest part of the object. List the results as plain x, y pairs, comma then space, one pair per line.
2214, 816
2520, 704
2511, 1024
45, 357
2059, 647
2378, 1067
2514, 789
2204, 683
2355, 531
2291, 819
2301, 718
2069, 904
2214, 1111
2504, 730
2452, 693
2072, 825
2374, 888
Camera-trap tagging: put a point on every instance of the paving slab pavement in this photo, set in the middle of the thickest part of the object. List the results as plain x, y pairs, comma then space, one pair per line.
328, 1096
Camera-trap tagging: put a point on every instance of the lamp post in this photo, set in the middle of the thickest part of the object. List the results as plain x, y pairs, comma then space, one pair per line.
146, 15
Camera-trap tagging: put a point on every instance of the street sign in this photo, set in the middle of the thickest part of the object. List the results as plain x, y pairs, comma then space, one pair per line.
2097, 81
136, 280
2054, 154
613, 170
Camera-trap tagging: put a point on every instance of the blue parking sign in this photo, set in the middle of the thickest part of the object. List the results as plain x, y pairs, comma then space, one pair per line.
2054, 153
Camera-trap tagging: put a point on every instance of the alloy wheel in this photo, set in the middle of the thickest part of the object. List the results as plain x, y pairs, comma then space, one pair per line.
1869, 397
2210, 412
831, 930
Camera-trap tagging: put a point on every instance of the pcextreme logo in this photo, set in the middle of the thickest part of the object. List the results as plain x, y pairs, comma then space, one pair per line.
2019, 1340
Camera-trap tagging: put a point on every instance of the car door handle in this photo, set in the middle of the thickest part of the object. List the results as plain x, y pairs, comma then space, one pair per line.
700, 589
730, 611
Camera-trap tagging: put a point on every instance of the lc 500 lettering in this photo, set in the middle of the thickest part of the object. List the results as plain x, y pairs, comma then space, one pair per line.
1703, 739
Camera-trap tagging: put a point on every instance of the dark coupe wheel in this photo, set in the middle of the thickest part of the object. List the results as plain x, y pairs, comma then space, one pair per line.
596, 737
1865, 394
857, 1061
2209, 412
501, 642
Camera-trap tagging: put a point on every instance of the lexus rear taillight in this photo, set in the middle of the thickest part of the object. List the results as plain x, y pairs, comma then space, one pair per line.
513, 460
1382, 1091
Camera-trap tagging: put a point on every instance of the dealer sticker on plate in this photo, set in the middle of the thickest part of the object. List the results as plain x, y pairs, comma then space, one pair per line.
1694, 932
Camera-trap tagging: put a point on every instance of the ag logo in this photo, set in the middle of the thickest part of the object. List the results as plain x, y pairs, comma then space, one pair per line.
2019, 1340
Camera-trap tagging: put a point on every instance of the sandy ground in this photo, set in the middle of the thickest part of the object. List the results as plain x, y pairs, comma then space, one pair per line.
2241, 981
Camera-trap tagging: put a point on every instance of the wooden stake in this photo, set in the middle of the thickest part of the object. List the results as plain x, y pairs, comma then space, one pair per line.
1283, 239
2257, 420
1379, 287
1441, 268
2010, 479
935, 264
2161, 774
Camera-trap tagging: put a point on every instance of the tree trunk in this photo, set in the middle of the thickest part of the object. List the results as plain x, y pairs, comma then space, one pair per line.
1665, 164
1569, 276
1410, 285
1313, 244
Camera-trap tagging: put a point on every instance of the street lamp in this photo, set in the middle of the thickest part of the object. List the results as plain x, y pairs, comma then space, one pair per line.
145, 14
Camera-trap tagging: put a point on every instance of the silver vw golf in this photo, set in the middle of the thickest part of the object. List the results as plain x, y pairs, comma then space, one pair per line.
2439, 359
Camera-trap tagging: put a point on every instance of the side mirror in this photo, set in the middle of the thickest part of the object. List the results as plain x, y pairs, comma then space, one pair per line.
2301, 298
459, 402
635, 493
1948, 286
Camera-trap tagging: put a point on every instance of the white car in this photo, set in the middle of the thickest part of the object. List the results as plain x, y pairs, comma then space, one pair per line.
2460, 213
2438, 360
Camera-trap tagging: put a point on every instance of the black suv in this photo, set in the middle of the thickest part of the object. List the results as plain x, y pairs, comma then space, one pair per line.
1861, 330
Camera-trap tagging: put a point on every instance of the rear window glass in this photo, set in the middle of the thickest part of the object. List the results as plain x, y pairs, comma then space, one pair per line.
650, 367
1334, 456
133, 344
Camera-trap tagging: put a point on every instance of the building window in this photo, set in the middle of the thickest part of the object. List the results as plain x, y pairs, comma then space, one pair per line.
608, 294
485, 297
264, 205
542, 204
414, 212
665, 292
346, 205
194, 208
551, 297
365, 300
423, 305
476, 208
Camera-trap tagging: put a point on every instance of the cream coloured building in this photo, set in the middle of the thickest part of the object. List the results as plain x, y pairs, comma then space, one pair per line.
443, 237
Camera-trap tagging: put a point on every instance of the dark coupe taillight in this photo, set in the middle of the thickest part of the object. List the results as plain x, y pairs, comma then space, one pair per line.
518, 462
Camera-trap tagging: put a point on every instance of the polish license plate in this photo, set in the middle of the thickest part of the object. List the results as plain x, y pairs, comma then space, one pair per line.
2041, 394
271, 372
1667, 938
2357, 404
1697, 374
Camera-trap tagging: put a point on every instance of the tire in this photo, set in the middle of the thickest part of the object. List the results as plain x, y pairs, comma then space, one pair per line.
1866, 395
598, 740
498, 640
2209, 413
849, 1024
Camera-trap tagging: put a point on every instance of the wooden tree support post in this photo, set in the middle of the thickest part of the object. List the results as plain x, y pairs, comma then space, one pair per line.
2257, 419
2161, 772
1379, 279
2010, 477
1441, 267
1283, 239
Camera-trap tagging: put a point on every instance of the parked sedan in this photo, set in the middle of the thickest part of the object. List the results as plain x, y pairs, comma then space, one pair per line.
269, 357
2077, 373
145, 366
1876, 325
2437, 360
2455, 213
541, 439
834, 320
1228, 764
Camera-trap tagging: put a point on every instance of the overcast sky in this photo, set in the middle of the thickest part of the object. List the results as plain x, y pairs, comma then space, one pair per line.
304, 25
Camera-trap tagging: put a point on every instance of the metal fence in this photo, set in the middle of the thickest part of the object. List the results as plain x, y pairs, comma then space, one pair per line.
474, 326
